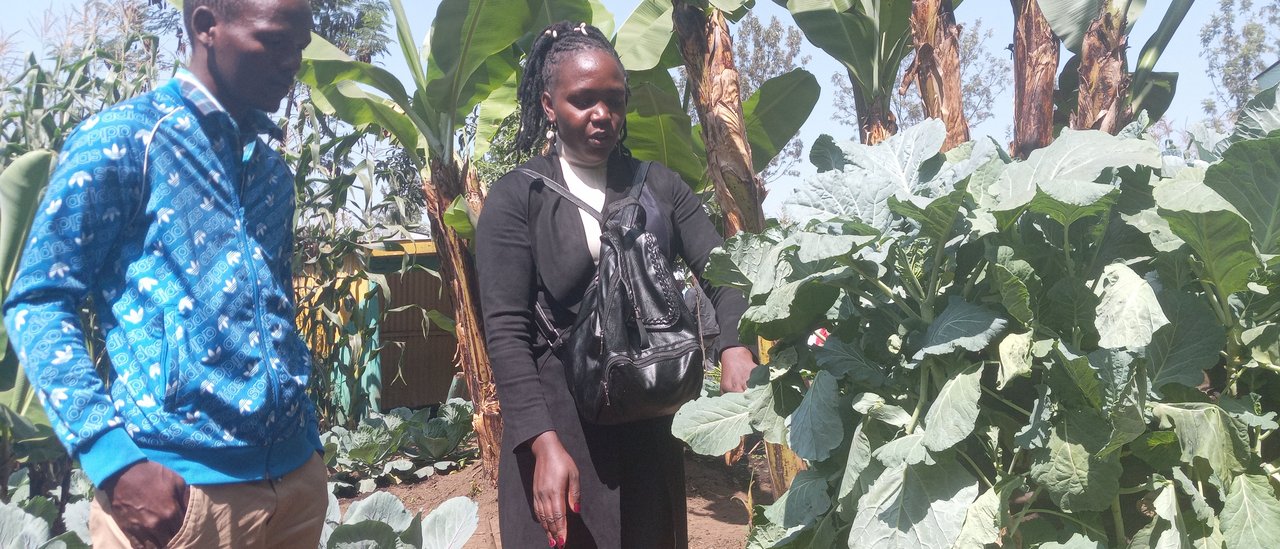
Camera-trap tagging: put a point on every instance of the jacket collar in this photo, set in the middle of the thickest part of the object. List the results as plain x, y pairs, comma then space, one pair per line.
190, 88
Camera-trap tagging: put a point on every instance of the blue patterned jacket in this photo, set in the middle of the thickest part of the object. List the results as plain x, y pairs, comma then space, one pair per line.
181, 238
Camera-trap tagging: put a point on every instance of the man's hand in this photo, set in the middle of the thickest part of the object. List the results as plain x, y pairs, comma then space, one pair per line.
736, 364
148, 502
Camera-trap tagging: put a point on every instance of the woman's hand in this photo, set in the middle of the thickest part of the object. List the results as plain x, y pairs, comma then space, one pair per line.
736, 364
555, 486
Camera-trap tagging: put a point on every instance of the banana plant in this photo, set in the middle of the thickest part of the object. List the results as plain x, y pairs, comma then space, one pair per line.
1106, 95
471, 56
24, 429
870, 38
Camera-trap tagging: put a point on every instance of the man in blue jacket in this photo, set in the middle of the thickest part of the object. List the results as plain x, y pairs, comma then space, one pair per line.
172, 216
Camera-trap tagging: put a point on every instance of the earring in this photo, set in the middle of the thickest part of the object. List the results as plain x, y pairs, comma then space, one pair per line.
551, 132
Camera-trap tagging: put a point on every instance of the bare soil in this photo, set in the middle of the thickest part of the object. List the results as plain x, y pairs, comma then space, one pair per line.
717, 499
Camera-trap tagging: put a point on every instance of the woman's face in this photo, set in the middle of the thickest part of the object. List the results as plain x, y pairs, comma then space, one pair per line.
587, 104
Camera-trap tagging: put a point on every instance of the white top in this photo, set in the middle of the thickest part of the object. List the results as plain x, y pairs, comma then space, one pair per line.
587, 183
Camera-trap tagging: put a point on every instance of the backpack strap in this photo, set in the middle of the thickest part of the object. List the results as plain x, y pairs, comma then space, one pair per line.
637, 182
554, 185
555, 337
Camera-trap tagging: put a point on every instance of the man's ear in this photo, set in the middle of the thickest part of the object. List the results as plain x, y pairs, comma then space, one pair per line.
204, 23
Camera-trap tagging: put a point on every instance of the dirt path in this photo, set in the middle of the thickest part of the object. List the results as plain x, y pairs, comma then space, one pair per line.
717, 515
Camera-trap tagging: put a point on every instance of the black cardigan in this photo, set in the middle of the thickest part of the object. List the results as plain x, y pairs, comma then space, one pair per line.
530, 245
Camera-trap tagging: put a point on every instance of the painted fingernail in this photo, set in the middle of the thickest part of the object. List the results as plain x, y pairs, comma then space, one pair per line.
561, 542
551, 543
577, 507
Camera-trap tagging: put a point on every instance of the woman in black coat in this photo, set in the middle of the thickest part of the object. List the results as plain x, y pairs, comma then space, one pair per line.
562, 481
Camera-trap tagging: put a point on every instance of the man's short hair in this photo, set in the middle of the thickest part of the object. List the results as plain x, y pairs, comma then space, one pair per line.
222, 8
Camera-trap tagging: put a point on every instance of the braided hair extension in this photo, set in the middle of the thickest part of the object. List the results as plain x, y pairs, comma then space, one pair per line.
548, 49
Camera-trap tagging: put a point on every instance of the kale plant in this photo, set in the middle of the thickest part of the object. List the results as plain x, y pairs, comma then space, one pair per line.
1081, 348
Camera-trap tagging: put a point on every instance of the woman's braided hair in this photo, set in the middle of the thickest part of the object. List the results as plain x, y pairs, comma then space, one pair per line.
548, 50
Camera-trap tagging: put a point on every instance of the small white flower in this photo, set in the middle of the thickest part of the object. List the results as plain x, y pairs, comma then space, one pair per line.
206, 386
233, 258
229, 286
182, 123
254, 338
165, 214
185, 304
173, 179
207, 203
111, 214
54, 206
146, 284
246, 406
20, 319
147, 401
223, 322
194, 269
199, 238
59, 270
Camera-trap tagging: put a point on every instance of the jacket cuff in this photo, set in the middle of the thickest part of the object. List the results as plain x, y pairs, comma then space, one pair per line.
109, 454
523, 432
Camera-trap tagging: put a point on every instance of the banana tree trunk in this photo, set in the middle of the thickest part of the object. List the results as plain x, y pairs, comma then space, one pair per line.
876, 121
936, 67
446, 183
1104, 82
707, 49
1035, 68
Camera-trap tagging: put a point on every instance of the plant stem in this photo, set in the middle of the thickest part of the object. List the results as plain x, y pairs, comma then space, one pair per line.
1013, 462
973, 279
1119, 518
887, 291
976, 470
939, 251
914, 281
1065, 516
1006, 401
924, 395
1066, 250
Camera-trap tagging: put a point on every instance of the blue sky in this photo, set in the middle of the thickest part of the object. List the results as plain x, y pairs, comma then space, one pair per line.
1183, 56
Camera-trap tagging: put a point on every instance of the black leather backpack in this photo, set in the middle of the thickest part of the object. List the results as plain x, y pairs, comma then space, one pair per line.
635, 351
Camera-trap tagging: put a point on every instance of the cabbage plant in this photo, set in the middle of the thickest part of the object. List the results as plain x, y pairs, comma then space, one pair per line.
1080, 348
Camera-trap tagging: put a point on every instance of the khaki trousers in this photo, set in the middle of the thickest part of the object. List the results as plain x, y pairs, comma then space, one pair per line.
285, 512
